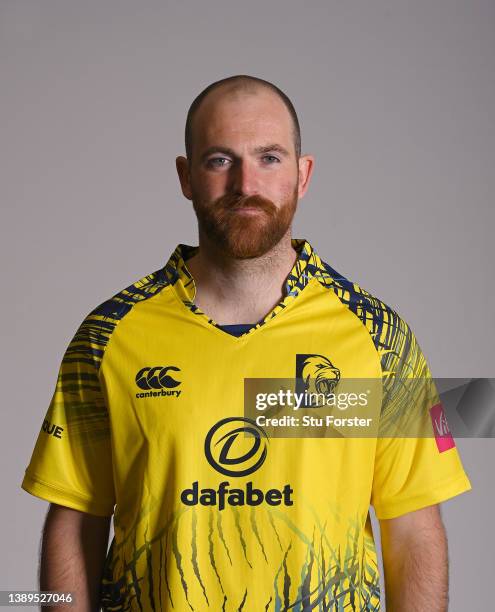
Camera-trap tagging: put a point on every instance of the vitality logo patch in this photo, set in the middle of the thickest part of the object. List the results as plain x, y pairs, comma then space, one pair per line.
157, 377
441, 429
233, 453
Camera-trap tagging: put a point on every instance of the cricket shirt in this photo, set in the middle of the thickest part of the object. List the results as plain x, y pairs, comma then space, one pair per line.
148, 423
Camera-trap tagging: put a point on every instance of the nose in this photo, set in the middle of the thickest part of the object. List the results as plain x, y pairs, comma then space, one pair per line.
245, 177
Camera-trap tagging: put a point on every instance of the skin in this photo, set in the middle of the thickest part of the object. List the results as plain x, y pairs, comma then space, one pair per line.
243, 290
415, 560
73, 551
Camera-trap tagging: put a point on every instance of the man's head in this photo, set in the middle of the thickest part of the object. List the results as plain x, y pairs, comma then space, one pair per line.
243, 172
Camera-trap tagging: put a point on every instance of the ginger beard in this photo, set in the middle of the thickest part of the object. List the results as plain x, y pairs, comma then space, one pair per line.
243, 235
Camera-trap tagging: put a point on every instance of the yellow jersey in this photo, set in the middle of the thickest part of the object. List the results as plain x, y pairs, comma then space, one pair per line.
148, 423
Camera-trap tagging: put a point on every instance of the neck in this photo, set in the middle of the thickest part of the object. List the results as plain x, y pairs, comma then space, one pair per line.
233, 290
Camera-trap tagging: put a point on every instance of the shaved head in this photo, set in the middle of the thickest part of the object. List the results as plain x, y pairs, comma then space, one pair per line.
239, 86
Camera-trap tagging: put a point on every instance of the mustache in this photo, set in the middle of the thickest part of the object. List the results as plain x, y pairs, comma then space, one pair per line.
231, 202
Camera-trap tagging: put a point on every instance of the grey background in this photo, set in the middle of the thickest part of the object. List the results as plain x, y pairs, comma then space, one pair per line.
396, 102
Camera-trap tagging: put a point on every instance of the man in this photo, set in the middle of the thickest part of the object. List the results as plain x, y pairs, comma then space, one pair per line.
148, 420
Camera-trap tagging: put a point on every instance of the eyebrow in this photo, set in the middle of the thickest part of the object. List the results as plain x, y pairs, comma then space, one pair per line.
261, 149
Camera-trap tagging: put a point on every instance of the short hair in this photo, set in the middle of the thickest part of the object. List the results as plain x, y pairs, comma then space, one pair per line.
249, 84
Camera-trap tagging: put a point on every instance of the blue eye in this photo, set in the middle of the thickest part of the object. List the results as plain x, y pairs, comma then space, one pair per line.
212, 162
214, 159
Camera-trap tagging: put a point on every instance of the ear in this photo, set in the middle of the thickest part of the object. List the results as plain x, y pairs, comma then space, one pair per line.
184, 177
306, 166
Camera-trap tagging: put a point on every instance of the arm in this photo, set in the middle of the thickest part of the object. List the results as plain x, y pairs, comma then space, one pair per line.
415, 560
73, 552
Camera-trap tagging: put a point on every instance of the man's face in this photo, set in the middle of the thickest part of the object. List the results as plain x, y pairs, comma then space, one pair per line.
244, 189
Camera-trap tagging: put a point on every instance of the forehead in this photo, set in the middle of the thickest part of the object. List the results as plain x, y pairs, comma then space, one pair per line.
233, 118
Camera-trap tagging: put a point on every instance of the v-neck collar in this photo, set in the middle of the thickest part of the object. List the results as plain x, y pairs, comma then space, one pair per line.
307, 265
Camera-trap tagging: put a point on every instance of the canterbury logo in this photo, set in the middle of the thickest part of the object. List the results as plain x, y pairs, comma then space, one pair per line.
157, 377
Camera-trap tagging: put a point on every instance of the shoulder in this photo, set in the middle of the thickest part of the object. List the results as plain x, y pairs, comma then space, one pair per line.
95, 330
392, 336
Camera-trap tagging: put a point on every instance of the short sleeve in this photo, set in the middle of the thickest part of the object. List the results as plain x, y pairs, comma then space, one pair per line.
71, 464
413, 472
